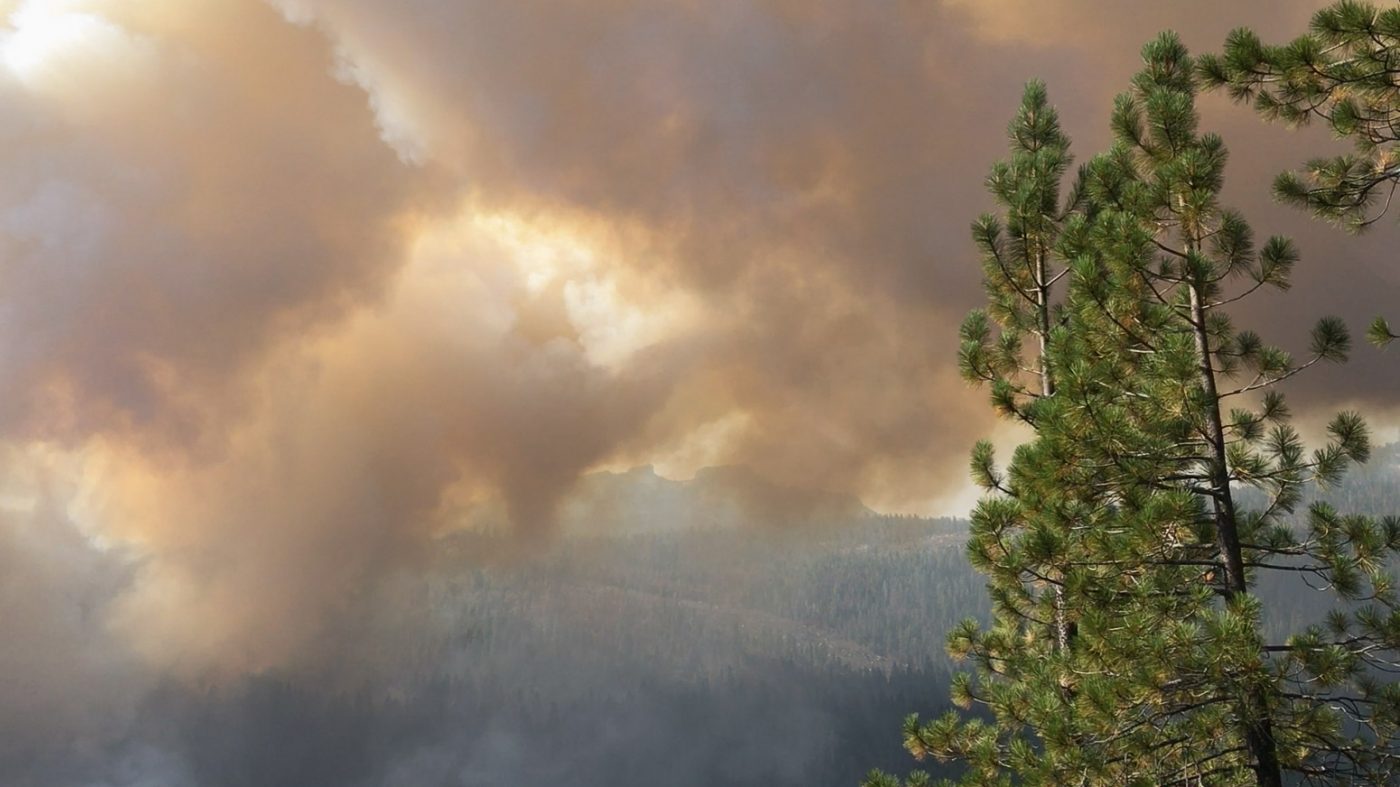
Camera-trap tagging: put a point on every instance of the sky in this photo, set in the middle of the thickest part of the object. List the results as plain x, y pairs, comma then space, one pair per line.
288, 287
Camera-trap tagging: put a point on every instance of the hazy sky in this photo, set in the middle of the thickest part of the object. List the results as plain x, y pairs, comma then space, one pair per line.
286, 287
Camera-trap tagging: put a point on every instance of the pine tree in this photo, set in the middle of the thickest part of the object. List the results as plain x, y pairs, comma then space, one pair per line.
1344, 72
1020, 274
1019, 534
1128, 500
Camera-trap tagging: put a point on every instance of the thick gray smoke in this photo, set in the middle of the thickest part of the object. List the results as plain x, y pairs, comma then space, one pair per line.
288, 290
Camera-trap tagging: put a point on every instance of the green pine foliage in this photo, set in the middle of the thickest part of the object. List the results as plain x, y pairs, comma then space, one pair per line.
1020, 535
1380, 334
1345, 72
1127, 645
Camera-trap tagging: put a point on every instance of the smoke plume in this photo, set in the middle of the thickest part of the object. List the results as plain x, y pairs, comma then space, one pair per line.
288, 289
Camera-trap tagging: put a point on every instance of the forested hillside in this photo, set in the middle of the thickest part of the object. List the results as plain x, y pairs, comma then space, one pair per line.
691, 657
631, 650
697, 655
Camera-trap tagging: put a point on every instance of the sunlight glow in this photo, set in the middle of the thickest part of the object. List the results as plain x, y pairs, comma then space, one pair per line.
521, 260
41, 30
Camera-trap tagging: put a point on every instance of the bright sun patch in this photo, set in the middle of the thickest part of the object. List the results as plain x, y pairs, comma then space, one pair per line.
39, 31
58, 45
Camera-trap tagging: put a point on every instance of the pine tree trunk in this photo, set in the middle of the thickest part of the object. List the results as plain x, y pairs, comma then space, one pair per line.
1047, 387
1258, 727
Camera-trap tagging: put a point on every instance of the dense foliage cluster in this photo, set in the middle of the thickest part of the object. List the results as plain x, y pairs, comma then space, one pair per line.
1345, 72
1128, 641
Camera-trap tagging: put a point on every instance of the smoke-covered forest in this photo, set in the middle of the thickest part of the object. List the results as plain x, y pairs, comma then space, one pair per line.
700, 654
703, 654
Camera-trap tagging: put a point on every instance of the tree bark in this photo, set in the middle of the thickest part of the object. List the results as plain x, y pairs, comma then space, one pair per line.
1254, 712
1047, 388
